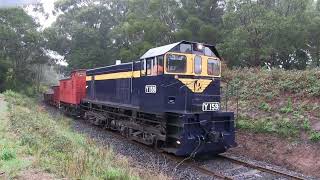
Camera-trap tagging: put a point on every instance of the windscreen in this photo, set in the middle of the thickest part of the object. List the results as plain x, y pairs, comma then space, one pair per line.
213, 67
176, 63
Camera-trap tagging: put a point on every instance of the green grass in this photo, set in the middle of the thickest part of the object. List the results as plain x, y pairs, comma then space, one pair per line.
12, 156
275, 101
282, 127
54, 147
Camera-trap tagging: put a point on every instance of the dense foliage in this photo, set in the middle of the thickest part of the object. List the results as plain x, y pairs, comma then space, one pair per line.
276, 33
21, 53
91, 33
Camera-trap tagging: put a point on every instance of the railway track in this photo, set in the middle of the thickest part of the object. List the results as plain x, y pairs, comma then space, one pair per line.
214, 173
262, 169
222, 175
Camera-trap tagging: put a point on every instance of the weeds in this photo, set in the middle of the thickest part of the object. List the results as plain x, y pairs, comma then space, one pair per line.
265, 107
306, 125
314, 136
7, 154
288, 108
282, 127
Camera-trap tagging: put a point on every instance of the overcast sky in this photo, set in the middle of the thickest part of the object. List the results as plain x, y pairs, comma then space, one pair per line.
47, 4
13, 3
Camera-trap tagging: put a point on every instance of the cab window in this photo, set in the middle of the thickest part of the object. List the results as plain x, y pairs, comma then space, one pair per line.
208, 52
149, 65
213, 67
176, 63
185, 48
157, 66
197, 65
143, 67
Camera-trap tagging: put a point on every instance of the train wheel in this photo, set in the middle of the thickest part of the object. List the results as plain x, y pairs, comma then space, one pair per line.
158, 145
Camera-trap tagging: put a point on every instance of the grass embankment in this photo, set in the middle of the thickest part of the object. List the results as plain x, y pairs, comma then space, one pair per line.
286, 103
12, 153
30, 137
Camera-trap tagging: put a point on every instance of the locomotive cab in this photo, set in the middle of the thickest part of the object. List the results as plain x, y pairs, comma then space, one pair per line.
177, 71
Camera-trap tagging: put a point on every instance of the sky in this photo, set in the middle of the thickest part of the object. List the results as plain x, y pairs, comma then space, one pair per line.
44, 21
14, 3
48, 6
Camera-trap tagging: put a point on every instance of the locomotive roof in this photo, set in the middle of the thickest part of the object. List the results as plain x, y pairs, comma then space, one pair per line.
159, 50
164, 49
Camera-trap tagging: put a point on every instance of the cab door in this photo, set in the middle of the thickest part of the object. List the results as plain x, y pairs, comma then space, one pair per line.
150, 90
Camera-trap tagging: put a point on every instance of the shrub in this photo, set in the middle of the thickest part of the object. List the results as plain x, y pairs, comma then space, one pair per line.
314, 136
7, 154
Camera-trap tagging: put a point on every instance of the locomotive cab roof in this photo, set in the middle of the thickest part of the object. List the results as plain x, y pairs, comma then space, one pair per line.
158, 51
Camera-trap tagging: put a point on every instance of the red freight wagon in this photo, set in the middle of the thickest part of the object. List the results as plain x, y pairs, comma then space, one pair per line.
72, 90
56, 97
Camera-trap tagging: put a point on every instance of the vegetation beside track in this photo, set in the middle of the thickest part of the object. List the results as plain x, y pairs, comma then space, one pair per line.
13, 155
54, 147
276, 101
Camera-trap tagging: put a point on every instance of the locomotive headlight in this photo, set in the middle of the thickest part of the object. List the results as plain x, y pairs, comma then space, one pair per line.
178, 142
199, 46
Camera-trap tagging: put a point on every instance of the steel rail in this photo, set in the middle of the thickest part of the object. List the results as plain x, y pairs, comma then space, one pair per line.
261, 168
197, 167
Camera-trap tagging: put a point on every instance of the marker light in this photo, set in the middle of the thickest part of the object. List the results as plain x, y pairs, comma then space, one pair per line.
200, 46
178, 142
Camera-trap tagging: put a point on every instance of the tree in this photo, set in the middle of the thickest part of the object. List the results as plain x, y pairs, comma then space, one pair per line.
274, 33
269, 33
21, 49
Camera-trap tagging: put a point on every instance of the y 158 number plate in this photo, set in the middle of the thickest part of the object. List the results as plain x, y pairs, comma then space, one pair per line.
210, 106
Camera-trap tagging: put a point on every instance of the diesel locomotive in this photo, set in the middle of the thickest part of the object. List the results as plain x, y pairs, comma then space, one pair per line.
169, 98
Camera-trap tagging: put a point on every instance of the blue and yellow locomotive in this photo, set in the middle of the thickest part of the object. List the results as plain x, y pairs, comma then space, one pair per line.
169, 98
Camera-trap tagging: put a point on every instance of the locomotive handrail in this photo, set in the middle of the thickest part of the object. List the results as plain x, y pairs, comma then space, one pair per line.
232, 90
